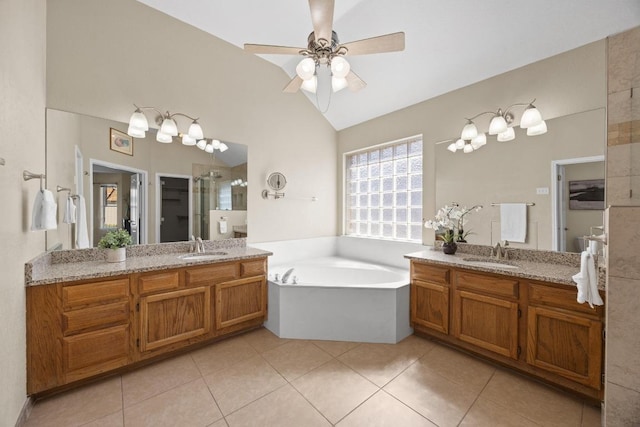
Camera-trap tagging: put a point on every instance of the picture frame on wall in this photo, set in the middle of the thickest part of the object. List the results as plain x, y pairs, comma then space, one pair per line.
586, 194
120, 142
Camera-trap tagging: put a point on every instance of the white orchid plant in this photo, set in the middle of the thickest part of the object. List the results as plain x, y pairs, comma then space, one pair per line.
449, 222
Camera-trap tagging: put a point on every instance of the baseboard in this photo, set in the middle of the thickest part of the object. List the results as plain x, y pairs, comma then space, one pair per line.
24, 413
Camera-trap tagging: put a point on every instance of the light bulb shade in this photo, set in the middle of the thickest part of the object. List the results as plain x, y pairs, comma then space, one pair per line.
215, 143
209, 148
340, 67
195, 131
479, 140
201, 144
169, 127
507, 135
139, 121
338, 83
452, 147
530, 117
468, 148
223, 147
539, 129
135, 132
164, 138
306, 68
498, 125
460, 144
469, 131
310, 85
187, 140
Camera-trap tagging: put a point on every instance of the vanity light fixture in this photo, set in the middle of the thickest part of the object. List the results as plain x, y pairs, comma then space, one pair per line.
501, 125
139, 125
209, 145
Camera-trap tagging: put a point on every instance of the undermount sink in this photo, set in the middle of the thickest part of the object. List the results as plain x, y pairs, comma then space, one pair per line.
488, 262
202, 256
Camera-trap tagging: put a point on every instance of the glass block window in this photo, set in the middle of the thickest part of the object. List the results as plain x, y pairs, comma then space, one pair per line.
384, 191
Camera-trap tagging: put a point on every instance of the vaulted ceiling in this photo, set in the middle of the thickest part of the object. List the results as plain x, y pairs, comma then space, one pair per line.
449, 44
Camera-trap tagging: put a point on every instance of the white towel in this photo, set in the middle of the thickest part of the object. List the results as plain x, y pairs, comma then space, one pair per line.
82, 236
69, 212
513, 222
222, 224
43, 216
587, 281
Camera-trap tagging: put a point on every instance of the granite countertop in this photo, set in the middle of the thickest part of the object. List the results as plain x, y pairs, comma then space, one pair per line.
535, 270
85, 264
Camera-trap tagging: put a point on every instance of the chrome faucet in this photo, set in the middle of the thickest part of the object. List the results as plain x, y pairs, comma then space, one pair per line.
199, 245
285, 276
500, 251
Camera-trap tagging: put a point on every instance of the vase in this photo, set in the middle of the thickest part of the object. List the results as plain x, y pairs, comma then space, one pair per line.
116, 255
449, 248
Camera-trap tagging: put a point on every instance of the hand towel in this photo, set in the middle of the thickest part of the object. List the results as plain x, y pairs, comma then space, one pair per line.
69, 212
513, 222
82, 236
222, 224
587, 281
43, 216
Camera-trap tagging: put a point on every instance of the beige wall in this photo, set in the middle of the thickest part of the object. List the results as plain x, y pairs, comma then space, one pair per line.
566, 84
104, 56
22, 31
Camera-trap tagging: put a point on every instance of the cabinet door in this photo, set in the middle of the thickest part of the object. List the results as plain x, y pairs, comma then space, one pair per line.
175, 316
240, 300
430, 305
487, 322
91, 353
565, 344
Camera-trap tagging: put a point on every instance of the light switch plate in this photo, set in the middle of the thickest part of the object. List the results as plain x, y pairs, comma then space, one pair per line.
542, 190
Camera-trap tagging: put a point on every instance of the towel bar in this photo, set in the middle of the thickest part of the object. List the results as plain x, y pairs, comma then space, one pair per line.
601, 238
26, 175
528, 204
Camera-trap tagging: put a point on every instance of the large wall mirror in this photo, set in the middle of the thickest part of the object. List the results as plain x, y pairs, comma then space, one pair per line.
159, 192
538, 170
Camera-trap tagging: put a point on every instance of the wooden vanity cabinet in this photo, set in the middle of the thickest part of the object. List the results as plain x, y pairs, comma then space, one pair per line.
78, 330
535, 327
430, 297
485, 312
564, 337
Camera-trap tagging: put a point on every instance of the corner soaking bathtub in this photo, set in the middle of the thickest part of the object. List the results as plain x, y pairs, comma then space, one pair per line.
339, 299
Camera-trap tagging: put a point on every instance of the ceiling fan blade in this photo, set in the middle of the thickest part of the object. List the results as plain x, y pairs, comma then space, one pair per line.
293, 85
322, 18
354, 83
393, 42
269, 49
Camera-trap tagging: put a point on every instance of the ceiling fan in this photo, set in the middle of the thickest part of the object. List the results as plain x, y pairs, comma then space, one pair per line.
324, 49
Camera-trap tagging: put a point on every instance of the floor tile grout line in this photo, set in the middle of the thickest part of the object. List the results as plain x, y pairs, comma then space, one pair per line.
408, 406
477, 397
312, 405
213, 397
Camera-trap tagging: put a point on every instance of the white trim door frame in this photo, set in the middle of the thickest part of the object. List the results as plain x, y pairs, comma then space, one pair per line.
558, 214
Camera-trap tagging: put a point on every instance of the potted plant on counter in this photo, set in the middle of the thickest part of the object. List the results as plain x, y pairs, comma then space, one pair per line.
115, 243
448, 225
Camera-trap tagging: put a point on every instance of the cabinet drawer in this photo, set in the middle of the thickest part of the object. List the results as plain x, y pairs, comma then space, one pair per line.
253, 268
430, 273
487, 284
95, 352
540, 294
87, 319
212, 274
159, 282
75, 296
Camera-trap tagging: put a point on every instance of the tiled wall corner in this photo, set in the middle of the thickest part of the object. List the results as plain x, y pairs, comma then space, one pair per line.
623, 60
624, 242
622, 407
622, 349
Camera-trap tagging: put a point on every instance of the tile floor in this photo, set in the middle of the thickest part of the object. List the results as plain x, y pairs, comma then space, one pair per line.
258, 379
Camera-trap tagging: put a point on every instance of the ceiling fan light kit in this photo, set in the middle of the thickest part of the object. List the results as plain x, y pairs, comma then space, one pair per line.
324, 50
501, 125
